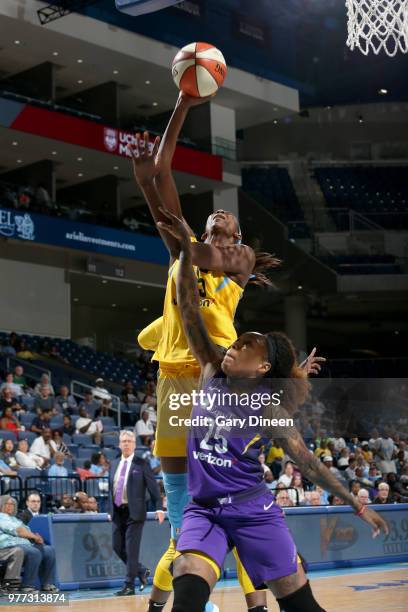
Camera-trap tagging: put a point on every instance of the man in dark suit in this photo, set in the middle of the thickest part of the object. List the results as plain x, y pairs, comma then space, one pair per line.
33, 503
129, 476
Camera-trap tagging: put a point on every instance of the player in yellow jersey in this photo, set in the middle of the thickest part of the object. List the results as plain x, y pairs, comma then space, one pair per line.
223, 267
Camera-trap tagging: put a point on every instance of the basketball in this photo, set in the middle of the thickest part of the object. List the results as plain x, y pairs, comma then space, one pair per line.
199, 69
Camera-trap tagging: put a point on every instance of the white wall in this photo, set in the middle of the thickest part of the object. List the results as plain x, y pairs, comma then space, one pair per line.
34, 299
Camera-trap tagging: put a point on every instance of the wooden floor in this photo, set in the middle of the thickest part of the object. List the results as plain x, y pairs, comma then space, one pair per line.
371, 591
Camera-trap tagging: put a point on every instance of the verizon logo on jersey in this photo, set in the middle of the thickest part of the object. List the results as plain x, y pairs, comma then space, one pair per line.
212, 459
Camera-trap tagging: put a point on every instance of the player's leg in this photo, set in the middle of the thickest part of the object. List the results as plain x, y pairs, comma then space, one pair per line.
293, 593
256, 600
194, 578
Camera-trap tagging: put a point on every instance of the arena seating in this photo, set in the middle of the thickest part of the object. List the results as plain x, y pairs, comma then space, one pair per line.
379, 193
363, 264
273, 188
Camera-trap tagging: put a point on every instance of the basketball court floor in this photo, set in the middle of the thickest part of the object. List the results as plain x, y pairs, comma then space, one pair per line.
367, 589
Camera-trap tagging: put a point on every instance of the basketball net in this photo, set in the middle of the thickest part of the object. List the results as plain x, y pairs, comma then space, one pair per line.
378, 25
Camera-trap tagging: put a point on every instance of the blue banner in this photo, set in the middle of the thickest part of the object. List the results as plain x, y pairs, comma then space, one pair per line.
42, 229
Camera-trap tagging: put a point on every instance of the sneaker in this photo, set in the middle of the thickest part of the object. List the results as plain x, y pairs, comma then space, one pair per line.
211, 607
50, 588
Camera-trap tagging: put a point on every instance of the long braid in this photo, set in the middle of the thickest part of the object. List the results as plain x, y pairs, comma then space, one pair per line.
263, 261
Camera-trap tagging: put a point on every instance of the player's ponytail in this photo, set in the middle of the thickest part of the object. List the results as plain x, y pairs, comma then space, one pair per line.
263, 262
291, 378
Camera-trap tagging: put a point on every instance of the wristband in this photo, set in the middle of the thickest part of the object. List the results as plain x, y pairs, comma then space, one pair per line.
362, 510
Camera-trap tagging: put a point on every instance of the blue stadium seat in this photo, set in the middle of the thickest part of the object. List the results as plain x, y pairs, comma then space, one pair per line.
73, 449
110, 439
30, 436
82, 439
111, 453
56, 422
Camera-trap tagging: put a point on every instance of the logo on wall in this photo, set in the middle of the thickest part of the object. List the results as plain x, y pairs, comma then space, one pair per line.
16, 225
110, 138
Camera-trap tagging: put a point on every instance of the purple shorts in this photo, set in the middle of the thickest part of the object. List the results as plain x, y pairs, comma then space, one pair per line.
257, 529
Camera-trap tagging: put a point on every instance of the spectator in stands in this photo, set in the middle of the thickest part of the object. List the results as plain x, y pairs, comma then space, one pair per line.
99, 464
397, 489
362, 479
322, 449
43, 198
297, 492
336, 501
67, 503
5, 470
384, 495
44, 401
287, 475
92, 505
350, 471
25, 352
367, 454
283, 500
338, 442
355, 486
9, 383
373, 474
364, 497
400, 462
99, 392
149, 406
128, 395
266, 470
68, 427
55, 354
14, 341
324, 496
343, 460
39, 558
19, 378
85, 472
328, 462
144, 429
315, 498
8, 401
6, 349
33, 508
85, 425
44, 446
7, 453
90, 404
60, 444
65, 402
103, 410
27, 459
58, 468
9, 421
13, 557
42, 421
80, 500
44, 382
153, 461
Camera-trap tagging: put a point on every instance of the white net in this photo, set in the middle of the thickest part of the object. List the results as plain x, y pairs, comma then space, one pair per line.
375, 25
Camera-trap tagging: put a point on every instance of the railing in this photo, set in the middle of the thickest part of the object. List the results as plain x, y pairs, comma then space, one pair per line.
78, 389
12, 485
30, 370
55, 486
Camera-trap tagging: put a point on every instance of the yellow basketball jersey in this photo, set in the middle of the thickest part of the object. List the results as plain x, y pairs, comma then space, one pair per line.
219, 297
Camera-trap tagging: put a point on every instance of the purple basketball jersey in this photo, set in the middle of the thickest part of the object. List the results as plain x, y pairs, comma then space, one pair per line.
222, 458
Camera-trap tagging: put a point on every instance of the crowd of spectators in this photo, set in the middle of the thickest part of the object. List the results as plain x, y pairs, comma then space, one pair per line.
374, 470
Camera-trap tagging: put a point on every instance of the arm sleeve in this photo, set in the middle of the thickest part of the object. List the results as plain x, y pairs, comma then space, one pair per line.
152, 485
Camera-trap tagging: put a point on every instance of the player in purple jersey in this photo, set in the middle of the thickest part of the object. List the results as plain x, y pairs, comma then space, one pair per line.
230, 504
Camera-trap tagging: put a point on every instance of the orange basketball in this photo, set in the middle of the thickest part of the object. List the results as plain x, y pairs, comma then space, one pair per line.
199, 69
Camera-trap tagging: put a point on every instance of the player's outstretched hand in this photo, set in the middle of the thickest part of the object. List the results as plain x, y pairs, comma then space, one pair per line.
312, 363
176, 227
143, 158
189, 101
375, 520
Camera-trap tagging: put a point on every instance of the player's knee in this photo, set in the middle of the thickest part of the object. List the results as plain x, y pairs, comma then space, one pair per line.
183, 565
191, 593
301, 600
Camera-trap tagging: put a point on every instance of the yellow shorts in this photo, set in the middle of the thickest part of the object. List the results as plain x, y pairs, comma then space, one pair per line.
171, 439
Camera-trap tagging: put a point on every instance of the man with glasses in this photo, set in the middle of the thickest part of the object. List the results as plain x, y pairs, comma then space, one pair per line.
33, 503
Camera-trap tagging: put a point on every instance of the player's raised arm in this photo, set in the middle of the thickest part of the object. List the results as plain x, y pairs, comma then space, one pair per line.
144, 170
188, 300
314, 470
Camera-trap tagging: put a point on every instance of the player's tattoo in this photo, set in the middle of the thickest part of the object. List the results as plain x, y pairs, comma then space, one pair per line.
309, 465
188, 300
